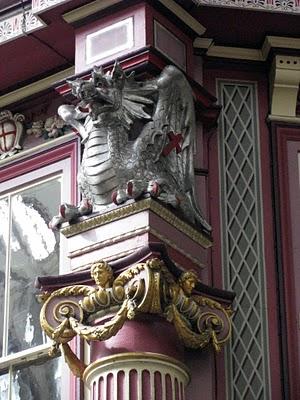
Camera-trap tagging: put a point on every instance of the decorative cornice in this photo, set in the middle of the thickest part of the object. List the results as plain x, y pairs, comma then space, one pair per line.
280, 118
108, 242
133, 208
96, 6
174, 246
34, 87
43, 5
126, 236
185, 17
287, 6
279, 42
88, 9
19, 24
239, 53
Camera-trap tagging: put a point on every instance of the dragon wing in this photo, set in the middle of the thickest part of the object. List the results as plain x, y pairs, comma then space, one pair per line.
176, 117
170, 137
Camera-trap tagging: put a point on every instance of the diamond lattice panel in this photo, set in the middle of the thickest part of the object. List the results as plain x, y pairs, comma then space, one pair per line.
242, 239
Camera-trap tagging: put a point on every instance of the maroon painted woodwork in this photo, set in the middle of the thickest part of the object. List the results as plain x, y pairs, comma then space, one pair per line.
287, 188
44, 158
140, 335
151, 250
144, 17
226, 72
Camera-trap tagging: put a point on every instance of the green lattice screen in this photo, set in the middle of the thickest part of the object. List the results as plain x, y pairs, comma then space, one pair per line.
241, 208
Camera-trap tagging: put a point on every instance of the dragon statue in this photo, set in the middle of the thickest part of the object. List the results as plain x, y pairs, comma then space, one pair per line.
139, 139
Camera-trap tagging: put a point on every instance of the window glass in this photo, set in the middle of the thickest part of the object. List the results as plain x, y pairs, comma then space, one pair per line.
28, 249
34, 252
4, 386
37, 382
3, 251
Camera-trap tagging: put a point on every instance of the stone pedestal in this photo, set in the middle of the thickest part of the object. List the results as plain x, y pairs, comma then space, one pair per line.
121, 231
146, 307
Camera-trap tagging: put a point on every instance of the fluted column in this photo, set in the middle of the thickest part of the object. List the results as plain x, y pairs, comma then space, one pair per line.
136, 376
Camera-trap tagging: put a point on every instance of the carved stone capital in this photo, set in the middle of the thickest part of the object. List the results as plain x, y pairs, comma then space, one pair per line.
144, 288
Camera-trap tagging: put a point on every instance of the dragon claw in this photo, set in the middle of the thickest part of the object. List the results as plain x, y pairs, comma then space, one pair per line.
69, 213
62, 210
119, 197
154, 189
130, 189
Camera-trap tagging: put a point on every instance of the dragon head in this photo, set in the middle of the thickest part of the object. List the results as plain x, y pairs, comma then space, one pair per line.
114, 91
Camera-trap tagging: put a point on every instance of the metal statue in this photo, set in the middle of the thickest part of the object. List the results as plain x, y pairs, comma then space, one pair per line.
139, 139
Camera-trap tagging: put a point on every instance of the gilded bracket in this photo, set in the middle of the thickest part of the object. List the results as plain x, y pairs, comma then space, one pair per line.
143, 288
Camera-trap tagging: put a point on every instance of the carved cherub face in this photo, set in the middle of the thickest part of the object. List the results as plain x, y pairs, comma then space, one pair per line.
188, 281
102, 274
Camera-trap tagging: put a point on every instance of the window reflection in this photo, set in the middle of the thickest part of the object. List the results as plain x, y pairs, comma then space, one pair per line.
3, 251
4, 386
34, 252
37, 382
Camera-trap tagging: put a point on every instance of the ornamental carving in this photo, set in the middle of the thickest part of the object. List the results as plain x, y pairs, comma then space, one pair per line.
139, 140
18, 25
11, 131
256, 5
50, 128
143, 288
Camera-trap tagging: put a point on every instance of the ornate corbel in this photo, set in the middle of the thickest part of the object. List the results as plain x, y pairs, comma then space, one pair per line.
145, 288
284, 85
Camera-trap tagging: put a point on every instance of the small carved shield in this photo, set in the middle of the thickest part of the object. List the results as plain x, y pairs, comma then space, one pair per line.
8, 134
11, 130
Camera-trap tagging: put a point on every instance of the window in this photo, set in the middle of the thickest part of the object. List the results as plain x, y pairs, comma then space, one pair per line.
28, 248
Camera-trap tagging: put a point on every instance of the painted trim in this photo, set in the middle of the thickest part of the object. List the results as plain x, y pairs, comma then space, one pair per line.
262, 297
45, 157
88, 9
133, 208
37, 149
19, 24
287, 149
281, 118
129, 235
240, 53
25, 356
39, 6
210, 74
291, 6
284, 83
35, 87
279, 42
99, 5
185, 17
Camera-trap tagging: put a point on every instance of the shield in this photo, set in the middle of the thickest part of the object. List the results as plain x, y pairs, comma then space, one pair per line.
8, 135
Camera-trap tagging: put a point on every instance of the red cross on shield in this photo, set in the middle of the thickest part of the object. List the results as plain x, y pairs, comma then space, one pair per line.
8, 134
